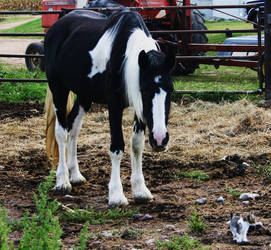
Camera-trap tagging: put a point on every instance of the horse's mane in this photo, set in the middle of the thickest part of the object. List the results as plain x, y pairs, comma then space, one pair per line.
134, 35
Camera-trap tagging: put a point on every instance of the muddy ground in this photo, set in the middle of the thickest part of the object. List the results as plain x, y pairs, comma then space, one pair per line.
236, 134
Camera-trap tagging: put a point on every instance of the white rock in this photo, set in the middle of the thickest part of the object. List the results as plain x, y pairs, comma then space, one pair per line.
107, 234
244, 164
245, 202
150, 242
201, 201
170, 227
248, 196
220, 199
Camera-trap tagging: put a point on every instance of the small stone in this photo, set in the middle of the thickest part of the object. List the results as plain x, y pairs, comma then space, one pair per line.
179, 232
137, 216
150, 242
248, 196
245, 202
170, 227
244, 164
107, 234
163, 237
201, 201
95, 244
1, 167
220, 199
146, 217
68, 197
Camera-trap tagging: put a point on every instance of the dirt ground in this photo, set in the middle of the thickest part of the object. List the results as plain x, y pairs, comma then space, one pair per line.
214, 138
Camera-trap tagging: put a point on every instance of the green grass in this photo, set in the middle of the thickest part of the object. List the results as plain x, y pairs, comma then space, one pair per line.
29, 27
115, 215
196, 175
264, 170
224, 78
11, 19
219, 38
184, 242
234, 193
20, 92
196, 223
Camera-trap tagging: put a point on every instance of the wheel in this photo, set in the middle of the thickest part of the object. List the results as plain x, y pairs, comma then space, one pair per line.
186, 68
33, 63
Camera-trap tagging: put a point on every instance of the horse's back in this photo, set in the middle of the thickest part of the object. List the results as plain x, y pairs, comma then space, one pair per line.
68, 41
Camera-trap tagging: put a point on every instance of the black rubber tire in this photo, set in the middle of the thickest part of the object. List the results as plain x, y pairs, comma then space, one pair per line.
186, 68
33, 63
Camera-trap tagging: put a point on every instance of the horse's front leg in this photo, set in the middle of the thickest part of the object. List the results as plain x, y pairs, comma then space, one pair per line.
140, 192
116, 195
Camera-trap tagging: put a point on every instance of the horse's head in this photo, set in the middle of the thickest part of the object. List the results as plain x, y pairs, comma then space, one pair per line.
156, 88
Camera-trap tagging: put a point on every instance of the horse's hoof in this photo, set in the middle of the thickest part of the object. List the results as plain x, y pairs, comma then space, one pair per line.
62, 190
77, 180
118, 203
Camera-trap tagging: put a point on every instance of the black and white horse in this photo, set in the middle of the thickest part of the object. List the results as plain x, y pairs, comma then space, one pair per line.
113, 61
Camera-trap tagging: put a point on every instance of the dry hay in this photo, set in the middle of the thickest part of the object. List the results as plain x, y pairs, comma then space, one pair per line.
199, 131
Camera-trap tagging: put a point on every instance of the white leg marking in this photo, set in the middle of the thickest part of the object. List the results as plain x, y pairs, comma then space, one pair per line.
62, 173
159, 119
116, 196
139, 189
75, 175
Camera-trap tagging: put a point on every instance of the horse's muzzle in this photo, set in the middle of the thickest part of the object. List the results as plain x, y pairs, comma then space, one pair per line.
158, 145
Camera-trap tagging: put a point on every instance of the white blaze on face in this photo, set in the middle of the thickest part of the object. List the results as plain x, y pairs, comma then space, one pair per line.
159, 118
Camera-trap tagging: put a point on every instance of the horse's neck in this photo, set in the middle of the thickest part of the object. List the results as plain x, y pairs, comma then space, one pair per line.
137, 42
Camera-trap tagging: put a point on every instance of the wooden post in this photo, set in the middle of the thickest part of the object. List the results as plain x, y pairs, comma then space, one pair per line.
267, 50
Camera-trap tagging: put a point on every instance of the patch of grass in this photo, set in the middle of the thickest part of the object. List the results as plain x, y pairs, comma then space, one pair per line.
264, 170
115, 215
221, 79
196, 175
184, 242
131, 234
219, 38
234, 193
29, 27
83, 237
196, 223
20, 92
5, 229
42, 230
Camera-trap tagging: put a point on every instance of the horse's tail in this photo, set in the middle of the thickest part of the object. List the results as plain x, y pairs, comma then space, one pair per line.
51, 144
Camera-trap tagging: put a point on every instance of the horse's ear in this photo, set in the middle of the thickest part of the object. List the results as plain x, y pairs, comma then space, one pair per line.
170, 57
143, 59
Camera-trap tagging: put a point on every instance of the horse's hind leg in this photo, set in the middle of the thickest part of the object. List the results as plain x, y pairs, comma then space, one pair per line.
140, 192
60, 96
75, 124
